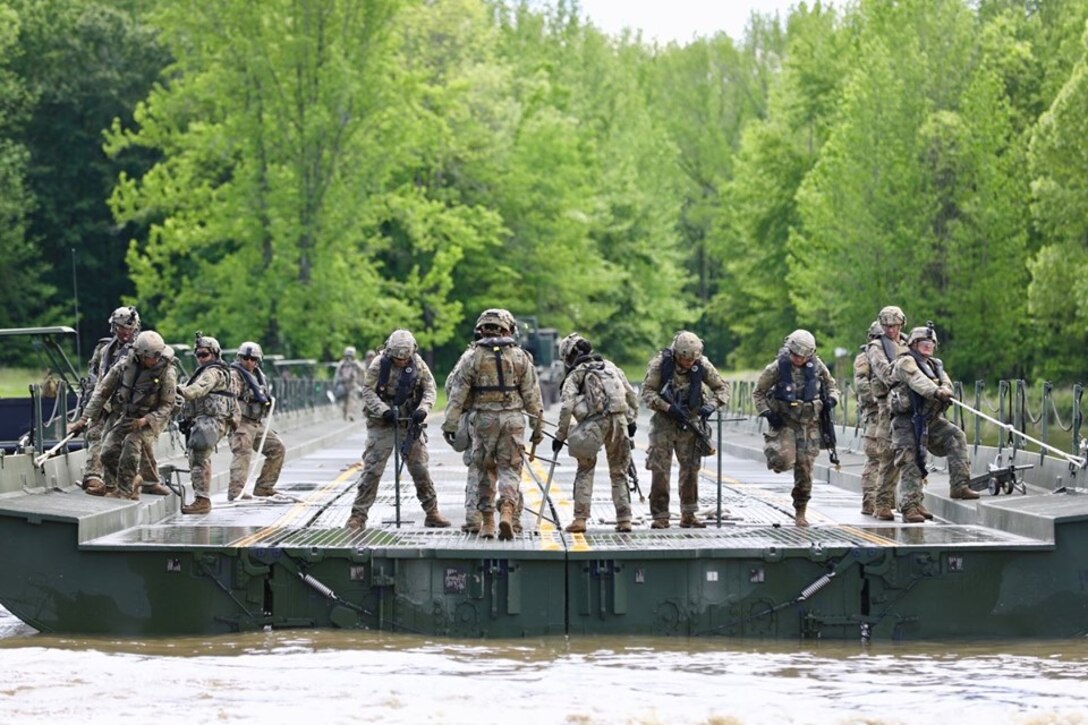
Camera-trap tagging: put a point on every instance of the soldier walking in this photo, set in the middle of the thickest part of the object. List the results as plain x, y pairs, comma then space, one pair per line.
918, 399
254, 396
140, 391
398, 393
499, 381
868, 410
207, 410
348, 382
602, 402
881, 354
675, 389
790, 394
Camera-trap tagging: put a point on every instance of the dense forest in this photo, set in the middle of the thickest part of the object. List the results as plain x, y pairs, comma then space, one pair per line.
316, 174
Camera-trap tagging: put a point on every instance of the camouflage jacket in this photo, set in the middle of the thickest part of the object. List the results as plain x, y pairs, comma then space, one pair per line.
422, 395
573, 394
496, 375
136, 391
208, 392
880, 364
801, 411
715, 389
909, 376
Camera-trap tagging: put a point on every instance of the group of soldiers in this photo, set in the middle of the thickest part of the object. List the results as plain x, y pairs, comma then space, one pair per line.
903, 392
493, 389
135, 393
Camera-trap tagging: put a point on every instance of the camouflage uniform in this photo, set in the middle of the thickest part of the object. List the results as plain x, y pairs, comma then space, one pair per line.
881, 353
868, 412
350, 374
666, 433
792, 407
921, 383
611, 427
254, 396
208, 409
498, 379
135, 392
410, 392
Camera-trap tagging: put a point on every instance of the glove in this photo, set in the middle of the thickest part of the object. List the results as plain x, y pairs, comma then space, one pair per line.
419, 415
706, 411
943, 394
557, 445
631, 428
831, 403
677, 413
449, 436
773, 419
537, 437
389, 416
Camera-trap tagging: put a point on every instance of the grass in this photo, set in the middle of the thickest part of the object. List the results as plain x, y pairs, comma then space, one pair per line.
14, 382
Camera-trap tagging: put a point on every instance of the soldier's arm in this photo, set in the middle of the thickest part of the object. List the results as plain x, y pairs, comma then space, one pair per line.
651, 385
630, 395
458, 388
168, 386
827, 380
530, 392
430, 389
879, 365
567, 399
906, 371
764, 384
208, 381
719, 388
102, 392
237, 384
372, 404
861, 378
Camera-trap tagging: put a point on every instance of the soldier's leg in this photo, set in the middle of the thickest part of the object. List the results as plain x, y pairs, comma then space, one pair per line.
780, 448
910, 484
92, 469
241, 448
870, 475
947, 440
659, 463
379, 446
618, 452
472, 493
128, 463
690, 462
485, 436
807, 441
888, 472
508, 462
274, 453
149, 464
200, 472
111, 454
416, 462
583, 487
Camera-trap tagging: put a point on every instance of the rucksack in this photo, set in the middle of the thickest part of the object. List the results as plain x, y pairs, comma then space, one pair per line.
603, 389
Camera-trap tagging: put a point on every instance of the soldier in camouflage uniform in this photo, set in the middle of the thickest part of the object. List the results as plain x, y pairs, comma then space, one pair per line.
254, 395
603, 412
207, 412
788, 394
499, 379
867, 412
125, 325
919, 396
140, 391
676, 389
348, 382
398, 391
881, 354
368, 358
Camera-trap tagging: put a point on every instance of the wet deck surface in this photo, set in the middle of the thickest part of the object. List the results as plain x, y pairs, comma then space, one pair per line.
758, 514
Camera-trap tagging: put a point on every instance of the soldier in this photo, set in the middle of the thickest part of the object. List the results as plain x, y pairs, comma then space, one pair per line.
254, 395
790, 394
368, 358
881, 353
207, 410
501, 381
675, 389
140, 390
867, 412
605, 406
347, 384
919, 396
125, 325
398, 393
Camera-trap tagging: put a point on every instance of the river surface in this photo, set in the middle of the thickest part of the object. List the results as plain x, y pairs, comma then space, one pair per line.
310, 676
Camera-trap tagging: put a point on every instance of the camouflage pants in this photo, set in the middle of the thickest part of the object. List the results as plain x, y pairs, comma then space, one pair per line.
243, 442
871, 472
887, 476
351, 404
666, 439
123, 453
95, 435
200, 466
381, 439
618, 452
794, 446
943, 439
497, 445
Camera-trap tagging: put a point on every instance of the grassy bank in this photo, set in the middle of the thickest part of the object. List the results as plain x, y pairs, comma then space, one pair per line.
14, 382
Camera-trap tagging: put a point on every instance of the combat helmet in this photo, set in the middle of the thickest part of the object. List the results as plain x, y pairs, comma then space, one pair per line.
495, 318
802, 343
125, 317
149, 344
573, 345
687, 345
207, 342
891, 315
401, 345
250, 349
875, 330
349, 351
922, 333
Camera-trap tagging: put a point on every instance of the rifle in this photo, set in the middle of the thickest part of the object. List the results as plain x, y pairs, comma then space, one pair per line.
827, 428
632, 473
703, 444
415, 430
921, 431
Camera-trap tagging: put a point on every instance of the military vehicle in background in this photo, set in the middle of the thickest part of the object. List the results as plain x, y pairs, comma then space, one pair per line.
543, 344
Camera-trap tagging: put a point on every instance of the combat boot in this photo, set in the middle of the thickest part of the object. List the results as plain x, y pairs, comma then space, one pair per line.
660, 524
963, 493
799, 515
263, 490
356, 522
925, 512
867, 508
884, 513
471, 527
435, 520
577, 526
913, 516
624, 527
155, 489
118, 493
95, 487
506, 522
487, 525
199, 506
688, 521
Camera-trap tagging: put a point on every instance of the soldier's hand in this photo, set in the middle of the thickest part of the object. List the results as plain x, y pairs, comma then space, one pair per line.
943, 394
706, 411
832, 402
139, 423
773, 419
419, 415
536, 437
631, 428
388, 415
677, 413
449, 436
557, 445
77, 426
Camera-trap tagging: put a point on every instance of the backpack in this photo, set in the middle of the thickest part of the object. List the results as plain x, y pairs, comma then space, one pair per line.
604, 390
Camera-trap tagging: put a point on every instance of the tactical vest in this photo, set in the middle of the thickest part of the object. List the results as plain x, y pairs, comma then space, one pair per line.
407, 394
497, 377
255, 397
784, 389
603, 390
891, 351
903, 399
139, 391
218, 404
683, 388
